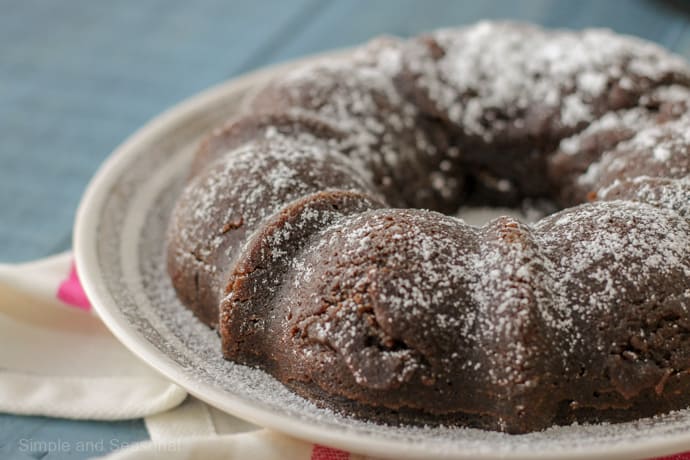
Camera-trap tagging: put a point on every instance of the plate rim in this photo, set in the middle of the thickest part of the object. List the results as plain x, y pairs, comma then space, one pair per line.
88, 268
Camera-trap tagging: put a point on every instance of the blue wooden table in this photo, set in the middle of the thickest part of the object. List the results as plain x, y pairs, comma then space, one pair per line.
78, 76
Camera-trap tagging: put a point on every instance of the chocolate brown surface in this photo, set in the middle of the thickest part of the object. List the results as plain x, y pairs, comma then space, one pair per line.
314, 232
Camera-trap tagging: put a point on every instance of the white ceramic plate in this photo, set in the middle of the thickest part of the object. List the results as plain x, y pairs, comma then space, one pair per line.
119, 239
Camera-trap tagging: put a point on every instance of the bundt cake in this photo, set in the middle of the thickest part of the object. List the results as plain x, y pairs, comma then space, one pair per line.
317, 232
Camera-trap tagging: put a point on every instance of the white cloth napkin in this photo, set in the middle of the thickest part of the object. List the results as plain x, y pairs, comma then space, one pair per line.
58, 359
62, 362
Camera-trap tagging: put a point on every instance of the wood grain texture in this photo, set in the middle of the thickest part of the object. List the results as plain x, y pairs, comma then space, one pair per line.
77, 77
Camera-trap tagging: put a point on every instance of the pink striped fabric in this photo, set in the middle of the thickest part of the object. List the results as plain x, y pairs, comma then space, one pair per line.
327, 453
71, 292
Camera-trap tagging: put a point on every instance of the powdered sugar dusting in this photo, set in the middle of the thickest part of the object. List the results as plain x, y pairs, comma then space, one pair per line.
510, 69
661, 150
479, 216
516, 277
671, 194
494, 296
161, 320
611, 242
629, 120
358, 94
255, 183
141, 297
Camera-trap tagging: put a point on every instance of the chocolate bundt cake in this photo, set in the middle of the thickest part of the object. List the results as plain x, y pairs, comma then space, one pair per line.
317, 231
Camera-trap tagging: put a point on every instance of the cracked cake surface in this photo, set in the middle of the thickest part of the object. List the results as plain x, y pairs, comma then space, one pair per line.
317, 231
